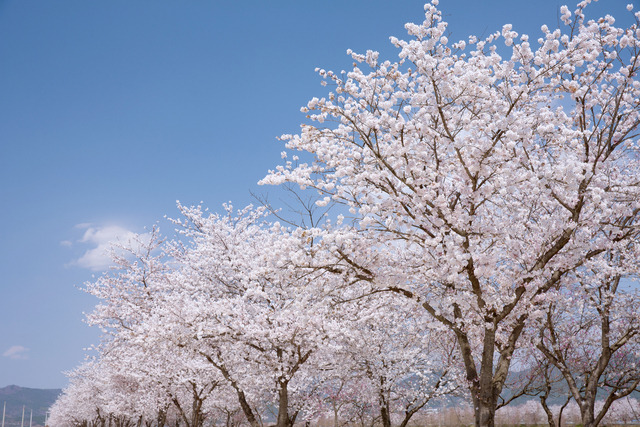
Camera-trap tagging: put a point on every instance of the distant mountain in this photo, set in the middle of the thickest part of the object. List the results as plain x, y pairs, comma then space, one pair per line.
32, 399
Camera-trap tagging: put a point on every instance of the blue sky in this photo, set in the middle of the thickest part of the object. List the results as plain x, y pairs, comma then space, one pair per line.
110, 111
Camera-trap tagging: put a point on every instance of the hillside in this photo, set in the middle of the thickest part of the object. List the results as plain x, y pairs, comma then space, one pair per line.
34, 399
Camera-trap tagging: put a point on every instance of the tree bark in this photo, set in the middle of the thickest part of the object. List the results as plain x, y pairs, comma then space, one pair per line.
284, 420
246, 408
482, 388
385, 412
162, 417
487, 385
562, 410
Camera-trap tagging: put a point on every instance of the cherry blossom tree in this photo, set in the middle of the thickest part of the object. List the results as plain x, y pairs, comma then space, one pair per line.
398, 364
79, 403
537, 377
591, 335
343, 399
141, 373
100, 395
239, 301
137, 349
480, 174
223, 308
166, 378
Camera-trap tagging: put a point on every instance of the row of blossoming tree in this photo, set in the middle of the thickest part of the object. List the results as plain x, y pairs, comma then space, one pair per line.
484, 245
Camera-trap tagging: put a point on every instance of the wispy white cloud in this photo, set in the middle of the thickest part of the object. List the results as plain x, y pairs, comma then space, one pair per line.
100, 238
17, 352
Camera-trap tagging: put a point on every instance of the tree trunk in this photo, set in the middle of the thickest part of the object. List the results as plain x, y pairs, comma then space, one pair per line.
547, 410
482, 386
485, 414
385, 412
385, 416
588, 421
543, 399
487, 385
407, 417
283, 406
162, 417
196, 412
587, 413
562, 410
246, 408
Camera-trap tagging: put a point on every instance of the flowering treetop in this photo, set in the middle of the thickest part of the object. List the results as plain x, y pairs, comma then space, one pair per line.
498, 176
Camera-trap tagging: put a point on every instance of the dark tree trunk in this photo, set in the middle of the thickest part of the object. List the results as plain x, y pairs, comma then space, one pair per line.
284, 420
547, 410
385, 416
246, 409
587, 409
562, 410
485, 414
385, 411
483, 391
486, 385
162, 418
